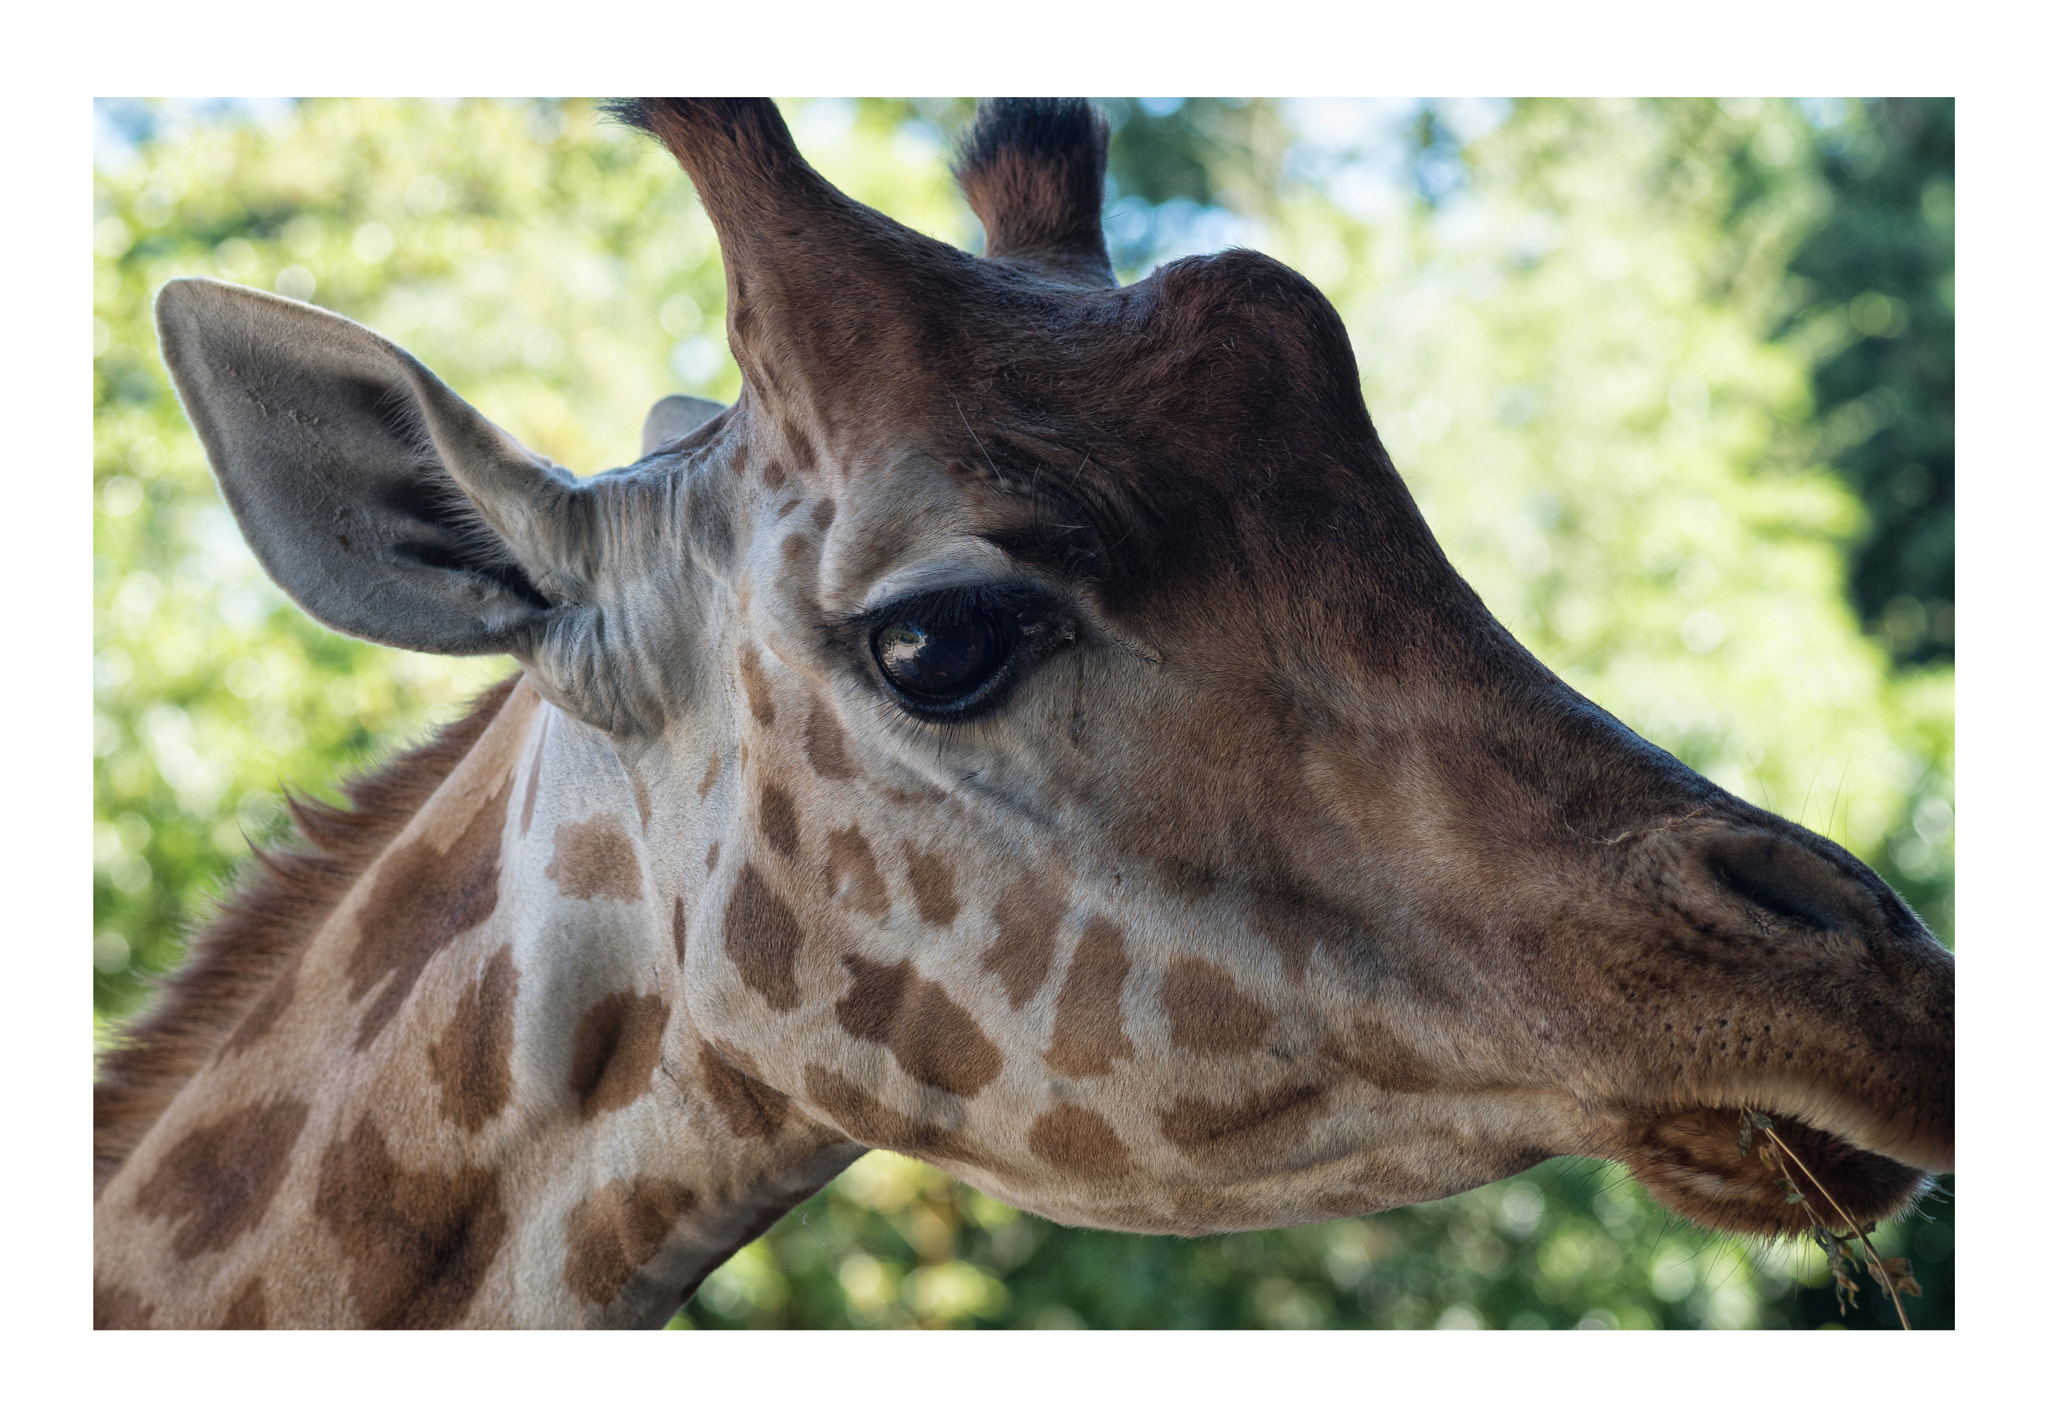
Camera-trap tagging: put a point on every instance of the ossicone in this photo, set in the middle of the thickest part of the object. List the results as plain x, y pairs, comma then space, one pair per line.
1032, 170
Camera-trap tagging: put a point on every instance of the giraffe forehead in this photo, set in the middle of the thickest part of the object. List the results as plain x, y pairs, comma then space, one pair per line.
904, 525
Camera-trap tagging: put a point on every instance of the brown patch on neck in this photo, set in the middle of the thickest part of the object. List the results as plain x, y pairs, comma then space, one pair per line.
618, 1044
1247, 1136
928, 1032
422, 900
1088, 1023
931, 883
756, 683
1296, 928
116, 1309
1079, 1142
825, 743
870, 1122
418, 1243
710, 776
595, 858
619, 1228
750, 1109
850, 868
1027, 922
762, 938
779, 820
1379, 1057
472, 1060
217, 1182
1207, 1210
248, 1312
279, 902
1208, 1014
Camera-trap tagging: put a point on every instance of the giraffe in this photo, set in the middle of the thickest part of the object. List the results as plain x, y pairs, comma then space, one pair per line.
1033, 729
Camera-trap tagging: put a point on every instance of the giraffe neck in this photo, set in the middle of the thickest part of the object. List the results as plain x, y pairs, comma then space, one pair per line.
473, 1094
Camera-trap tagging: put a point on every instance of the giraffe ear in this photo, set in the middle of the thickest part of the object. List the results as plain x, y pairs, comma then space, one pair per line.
375, 497
672, 418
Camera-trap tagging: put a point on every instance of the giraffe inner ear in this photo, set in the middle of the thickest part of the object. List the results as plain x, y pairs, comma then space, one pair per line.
381, 502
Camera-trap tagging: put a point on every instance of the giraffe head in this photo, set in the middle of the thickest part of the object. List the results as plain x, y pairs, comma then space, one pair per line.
1069, 755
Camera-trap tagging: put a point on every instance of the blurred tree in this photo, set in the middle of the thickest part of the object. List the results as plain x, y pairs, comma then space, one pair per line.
1564, 326
1880, 271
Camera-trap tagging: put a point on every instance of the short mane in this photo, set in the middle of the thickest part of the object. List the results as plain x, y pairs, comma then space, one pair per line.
274, 907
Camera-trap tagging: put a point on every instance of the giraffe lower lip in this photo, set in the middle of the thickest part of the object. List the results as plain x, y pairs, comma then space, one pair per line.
1787, 1180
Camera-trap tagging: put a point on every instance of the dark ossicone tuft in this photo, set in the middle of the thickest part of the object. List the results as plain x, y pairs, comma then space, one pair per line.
630, 112
1032, 170
1060, 130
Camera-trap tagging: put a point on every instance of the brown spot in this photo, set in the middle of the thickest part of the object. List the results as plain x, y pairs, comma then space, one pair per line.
216, 1183
1207, 1013
1088, 1022
1079, 1142
928, 1032
472, 1061
422, 900
869, 1121
116, 1309
782, 512
1190, 881
619, 1228
931, 883
779, 821
1204, 1211
532, 788
1246, 1136
762, 937
594, 858
248, 1312
1296, 929
679, 931
822, 514
710, 776
751, 1110
773, 475
756, 684
418, 1242
263, 1015
618, 1044
641, 800
1027, 920
1379, 1057
825, 743
850, 867
711, 856
796, 550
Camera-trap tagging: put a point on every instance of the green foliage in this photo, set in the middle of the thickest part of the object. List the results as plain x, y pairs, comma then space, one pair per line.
1881, 272
1579, 344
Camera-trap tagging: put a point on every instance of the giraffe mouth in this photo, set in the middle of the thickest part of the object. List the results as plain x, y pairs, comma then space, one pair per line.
1794, 1177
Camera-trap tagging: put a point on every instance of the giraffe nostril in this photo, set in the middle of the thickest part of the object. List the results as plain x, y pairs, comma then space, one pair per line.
1785, 880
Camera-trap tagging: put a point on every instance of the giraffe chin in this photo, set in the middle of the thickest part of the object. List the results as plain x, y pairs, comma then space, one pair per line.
1692, 1161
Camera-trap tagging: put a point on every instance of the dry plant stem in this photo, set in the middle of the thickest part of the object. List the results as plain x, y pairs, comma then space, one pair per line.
1873, 1262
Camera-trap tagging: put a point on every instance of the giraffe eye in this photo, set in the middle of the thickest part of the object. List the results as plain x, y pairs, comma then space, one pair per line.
944, 657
